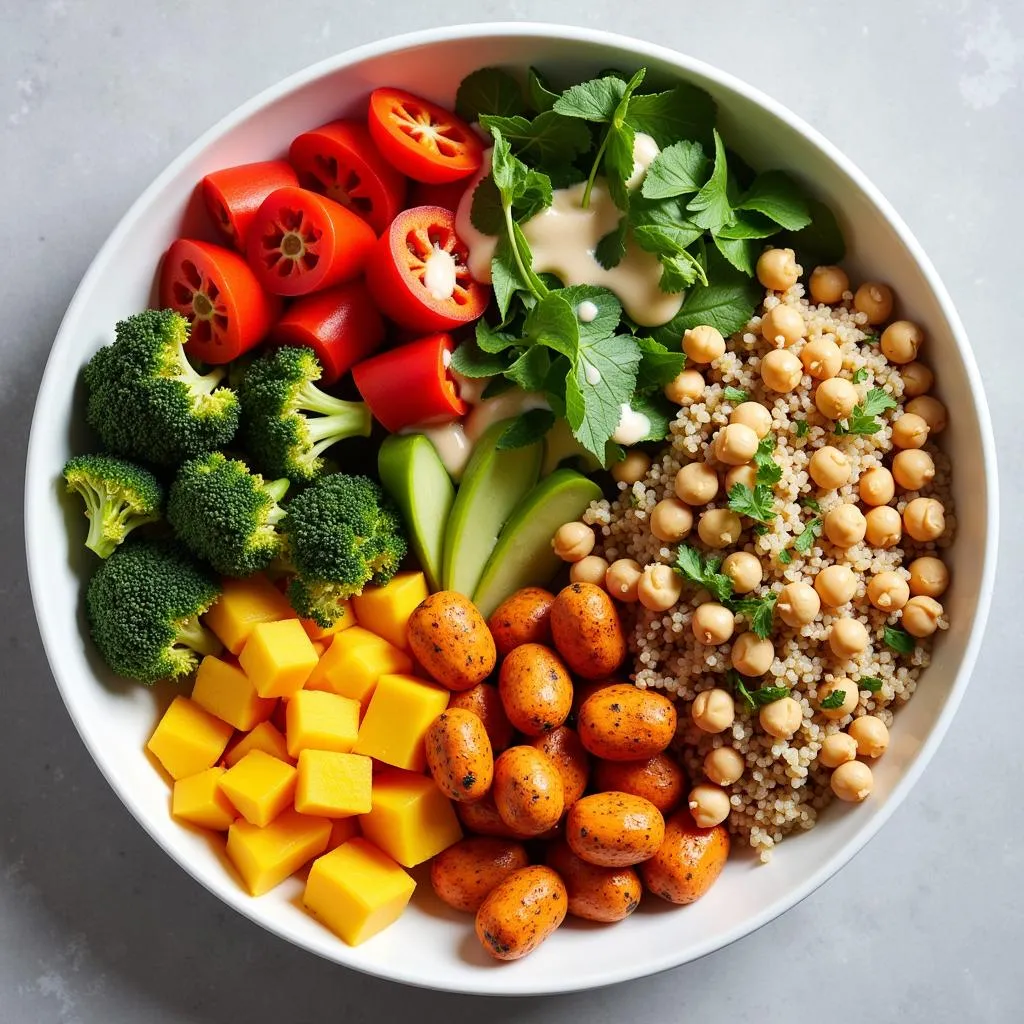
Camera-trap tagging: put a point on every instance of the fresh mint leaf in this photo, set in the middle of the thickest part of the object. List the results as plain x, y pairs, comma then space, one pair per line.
802, 428
683, 112
552, 322
742, 253
667, 240
526, 429
735, 395
757, 503
834, 700
612, 247
658, 365
703, 572
595, 100
489, 91
870, 683
758, 611
490, 339
748, 225
710, 206
609, 309
898, 640
549, 140
679, 170
471, 361
505, 276
542, 96
765, 695
768, 470
530, 370
776, 195
821, 241
679, 271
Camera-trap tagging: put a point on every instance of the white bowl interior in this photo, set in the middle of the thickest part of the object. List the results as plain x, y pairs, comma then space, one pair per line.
432, 945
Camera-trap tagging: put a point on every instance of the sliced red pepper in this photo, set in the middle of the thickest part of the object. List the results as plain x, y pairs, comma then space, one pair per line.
411, 384
217, 292
234, 194
341, 325
412, 267
301, 242
340, 161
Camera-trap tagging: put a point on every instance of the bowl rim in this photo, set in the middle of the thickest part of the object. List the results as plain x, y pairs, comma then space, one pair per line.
492, 983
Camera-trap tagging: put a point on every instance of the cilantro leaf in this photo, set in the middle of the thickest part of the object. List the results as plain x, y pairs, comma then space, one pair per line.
742, 253
876, 401
748, 225
785, 556
779, 197
710, 207
764, 695
676, 171
658, 365
821, 241
542, 96
735, 395
757, 503
862, 420
802, 428
506, 278
486, 214
834, 700
812, 503
552, 322
898, 640
860, 375
489, 339
548, 140
768, 470
612, 247
808, 535
870, 683
662, 224
683, 112
703, 571
530, 370
471, 361
740, 686
618, 161
488, 91
679, 271
595, 100
526, 429
758, 611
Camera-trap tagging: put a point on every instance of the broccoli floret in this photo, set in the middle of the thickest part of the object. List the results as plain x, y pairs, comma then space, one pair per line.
145, 399
143, 606
226, 515
276, 392
341, 533
118, 496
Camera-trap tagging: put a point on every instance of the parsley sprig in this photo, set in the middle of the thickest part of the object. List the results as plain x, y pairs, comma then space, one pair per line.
758, 502
703, 570
758, 611
863, 418
754, 699
834, 700
898, 640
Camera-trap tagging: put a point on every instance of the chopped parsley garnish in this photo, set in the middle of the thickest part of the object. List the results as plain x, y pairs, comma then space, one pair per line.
758, 698
810, 533
769, 694
737, 395
785, 556
758, 611
898, 640
802, 428
812, 504
871, 339
757, 503
703, 571
863, 418
860, 375
768, 470
870, 683
833, 700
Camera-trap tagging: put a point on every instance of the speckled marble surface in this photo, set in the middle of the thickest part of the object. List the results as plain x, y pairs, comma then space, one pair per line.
97, 925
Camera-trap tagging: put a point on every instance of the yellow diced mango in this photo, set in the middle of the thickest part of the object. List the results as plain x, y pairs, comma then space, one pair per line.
356, 890
278, 657
198, 800
354, 662
188, 739
386, 610
317, 632
321, 721
411, 819
227, 692
265, 857
396, 722
319, 646
241, 605
260, 787
342, 830
333, 784
266, 737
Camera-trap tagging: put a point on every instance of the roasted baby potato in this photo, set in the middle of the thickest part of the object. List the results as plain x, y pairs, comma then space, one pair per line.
450, 639
485, 702
614, 829
535, 689
528, 791
659, 779
595, 893
622, 723
465, 873
520, 912
459, 755
523, 618
482, 818
568, 755
688, 861
586, 630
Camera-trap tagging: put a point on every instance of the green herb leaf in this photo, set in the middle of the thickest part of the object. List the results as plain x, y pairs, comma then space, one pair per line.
703, 571
735, 395
870, 683
530, 371
812, 504
471, 361
609, 309
757, 503
497, 386
710, 207
488, 91
808, 535
821, 241
768, 470
612, 247
860, 375
780, 198
683, 112
834, 700
486, 213
490, 339
739, 685
595, 100
659, 411
549, 140
658, 365
679, 271
679, 170
765, 695
898, 640
785, 556
876, 401
526, 429
802, 428
758, 611
542, 96
862, 420
748, 225
742, 253
505, 276
552, 322
662, 225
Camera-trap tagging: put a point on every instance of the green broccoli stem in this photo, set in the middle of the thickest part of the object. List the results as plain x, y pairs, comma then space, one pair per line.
198, 383
352, 420
191, 633
277, 490
309, 398
95, 509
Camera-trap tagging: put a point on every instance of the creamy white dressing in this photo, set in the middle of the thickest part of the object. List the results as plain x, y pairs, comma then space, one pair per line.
501, 407
586, 312
439, 274
470, 389
633, 426
481, 247
645, 149
592, 374
450, 442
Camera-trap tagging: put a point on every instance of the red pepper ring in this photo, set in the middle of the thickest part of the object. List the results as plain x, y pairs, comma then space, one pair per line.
234, 194
411, 384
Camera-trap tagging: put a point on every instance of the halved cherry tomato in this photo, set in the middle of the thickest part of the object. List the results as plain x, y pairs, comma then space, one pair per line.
234, 194
340, 160
217, 292
417, 273
410, 384
446, 195
341, 325
421, 139
301, 242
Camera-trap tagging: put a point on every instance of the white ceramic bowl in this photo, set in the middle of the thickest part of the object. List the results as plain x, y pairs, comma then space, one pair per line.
431, 945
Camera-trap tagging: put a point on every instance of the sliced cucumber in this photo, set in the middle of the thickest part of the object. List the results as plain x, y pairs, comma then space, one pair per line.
492, 486
523, 556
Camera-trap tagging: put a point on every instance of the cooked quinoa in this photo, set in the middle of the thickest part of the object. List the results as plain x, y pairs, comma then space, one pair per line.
783, 786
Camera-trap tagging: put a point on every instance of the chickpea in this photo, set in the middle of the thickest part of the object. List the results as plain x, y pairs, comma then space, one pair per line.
573, 541
845, 525
713, 624
921, 616
870, 734
929, 576
876, 300
847, 637
931, 410
917, 379
688, 386
901, 341
591, 569
745, 571
924, 519
746, 475
876, 486
753, 415
752, 656
837, 749
633, 468
851, 697
798, 604
781, 370
888, 591
781, 718
713, 711
910, 431
822, 358
913, 469
835, 398
828, 283
703, 344
884, 527
696, 483
719, 527
836, 584
783, 326
622, 580
659, 588
724, 765
709, 805
671, 520
777, 269
852, 781
735, 444
829, 467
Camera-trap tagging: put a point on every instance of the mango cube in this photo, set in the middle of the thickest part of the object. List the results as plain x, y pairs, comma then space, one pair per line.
266, 737
333, 785
354, 662
241, 605
396, 722
188, 739
411, 819
342, 830
386, 610
265, 857
260, 786
199, 801
224, 690
317, 632
319, 646
357, 891
321, 721
278, 657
